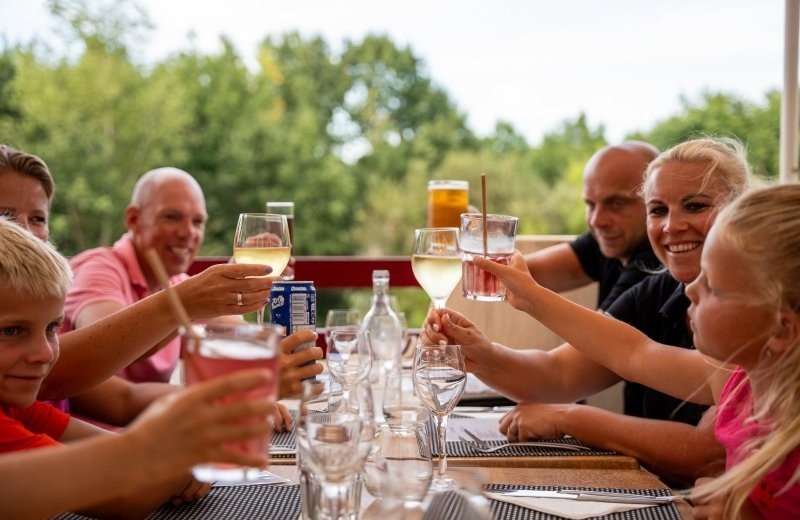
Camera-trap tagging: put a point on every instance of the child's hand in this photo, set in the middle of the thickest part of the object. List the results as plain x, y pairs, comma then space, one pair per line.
190, 426
292, 369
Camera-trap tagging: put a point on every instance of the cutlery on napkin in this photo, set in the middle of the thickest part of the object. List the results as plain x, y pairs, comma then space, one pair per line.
569, 505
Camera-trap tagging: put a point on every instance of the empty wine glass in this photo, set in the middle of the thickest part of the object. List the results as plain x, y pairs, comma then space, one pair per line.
349, 358
436, 261
439, 376
262, 238
342, 319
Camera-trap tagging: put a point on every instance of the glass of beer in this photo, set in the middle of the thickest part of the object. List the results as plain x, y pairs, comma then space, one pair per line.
447, 200
286, 209
501, 233
223, 349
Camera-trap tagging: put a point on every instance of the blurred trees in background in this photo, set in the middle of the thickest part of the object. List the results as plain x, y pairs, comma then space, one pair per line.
352, 137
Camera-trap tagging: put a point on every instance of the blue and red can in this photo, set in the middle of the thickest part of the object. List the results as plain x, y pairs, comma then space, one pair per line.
293, 305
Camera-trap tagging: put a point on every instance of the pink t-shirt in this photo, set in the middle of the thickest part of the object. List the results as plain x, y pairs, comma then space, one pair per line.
732, 431
113, 275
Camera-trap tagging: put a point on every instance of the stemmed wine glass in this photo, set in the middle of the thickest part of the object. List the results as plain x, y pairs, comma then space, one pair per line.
349, 358
436, 261
342, 319
440, 375
262, 238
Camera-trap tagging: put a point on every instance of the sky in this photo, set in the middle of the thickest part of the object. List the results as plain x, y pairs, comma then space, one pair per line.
535, 63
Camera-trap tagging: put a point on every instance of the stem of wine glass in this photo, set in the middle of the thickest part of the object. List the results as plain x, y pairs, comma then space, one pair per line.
438, 303
441, 427
260, 315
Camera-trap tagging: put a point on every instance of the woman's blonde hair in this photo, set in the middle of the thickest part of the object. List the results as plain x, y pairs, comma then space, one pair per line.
28, 165
725, 160
30, 266
764, 225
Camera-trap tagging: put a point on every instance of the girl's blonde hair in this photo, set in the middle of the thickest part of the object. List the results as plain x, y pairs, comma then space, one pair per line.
725, 160
30, 266
764, 225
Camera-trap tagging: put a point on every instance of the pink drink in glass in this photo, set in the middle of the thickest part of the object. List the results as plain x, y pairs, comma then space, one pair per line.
222, 352
481, 285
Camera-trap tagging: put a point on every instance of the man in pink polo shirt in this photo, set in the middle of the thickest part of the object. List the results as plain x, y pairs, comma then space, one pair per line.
168, 213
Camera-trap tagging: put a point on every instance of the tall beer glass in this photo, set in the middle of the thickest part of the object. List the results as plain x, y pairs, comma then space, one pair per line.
447, 200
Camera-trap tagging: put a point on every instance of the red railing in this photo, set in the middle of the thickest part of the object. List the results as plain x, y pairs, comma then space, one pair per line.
337, 272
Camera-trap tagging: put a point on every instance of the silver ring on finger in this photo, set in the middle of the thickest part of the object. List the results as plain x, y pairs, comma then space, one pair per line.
239, 301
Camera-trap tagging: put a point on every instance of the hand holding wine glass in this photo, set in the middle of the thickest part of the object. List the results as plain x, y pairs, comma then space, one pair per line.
440, 376
262, 238
436, 261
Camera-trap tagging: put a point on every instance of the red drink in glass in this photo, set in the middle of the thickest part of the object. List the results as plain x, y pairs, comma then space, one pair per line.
481, 285
222, 351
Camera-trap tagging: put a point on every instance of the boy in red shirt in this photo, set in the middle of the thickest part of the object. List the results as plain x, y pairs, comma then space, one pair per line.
105, 474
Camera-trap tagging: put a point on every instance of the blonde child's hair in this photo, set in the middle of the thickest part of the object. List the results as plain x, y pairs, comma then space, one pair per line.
31, 266
725, 159
764, 225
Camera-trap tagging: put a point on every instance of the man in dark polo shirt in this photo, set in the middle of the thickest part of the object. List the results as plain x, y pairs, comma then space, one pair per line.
615, 252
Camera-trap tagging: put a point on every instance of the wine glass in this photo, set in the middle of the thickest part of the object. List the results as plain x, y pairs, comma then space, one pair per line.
349, 358
342, 319
439, 376
262, 238
436, 261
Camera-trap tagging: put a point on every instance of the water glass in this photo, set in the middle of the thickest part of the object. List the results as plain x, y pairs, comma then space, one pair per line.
400, 466
500, 235
223, 349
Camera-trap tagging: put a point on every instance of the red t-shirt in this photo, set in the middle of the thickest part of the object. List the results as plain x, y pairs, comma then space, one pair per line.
36, 426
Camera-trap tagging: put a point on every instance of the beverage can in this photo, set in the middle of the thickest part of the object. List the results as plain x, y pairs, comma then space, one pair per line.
293, 305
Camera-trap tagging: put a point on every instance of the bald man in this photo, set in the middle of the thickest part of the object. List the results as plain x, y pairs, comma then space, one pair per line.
615, 252
167, 213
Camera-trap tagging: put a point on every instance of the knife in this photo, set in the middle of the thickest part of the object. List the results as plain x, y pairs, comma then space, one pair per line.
593, 496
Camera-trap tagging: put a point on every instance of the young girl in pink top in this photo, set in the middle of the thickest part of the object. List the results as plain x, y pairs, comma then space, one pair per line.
745, 318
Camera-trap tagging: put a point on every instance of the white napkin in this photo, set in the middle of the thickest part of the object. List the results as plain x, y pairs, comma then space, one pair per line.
566, 507
486, 428
264, 478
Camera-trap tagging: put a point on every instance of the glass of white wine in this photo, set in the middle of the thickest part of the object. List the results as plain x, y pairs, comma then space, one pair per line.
440, 376
262, 238
436, 261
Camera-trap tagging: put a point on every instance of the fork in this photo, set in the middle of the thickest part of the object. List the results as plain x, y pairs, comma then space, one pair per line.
484, 447
538, 444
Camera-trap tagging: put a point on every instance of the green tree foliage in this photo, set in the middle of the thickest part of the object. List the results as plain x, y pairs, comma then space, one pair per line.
8, 106
726, 115
352, 137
